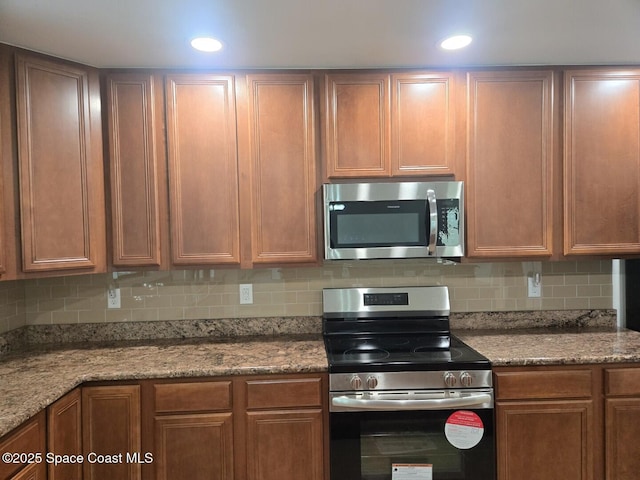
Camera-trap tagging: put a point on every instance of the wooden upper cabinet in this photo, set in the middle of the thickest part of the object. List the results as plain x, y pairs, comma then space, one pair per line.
283, 174
203, 169
510, 164
60, 166
133, 165
602, 162
357, 127
423, 124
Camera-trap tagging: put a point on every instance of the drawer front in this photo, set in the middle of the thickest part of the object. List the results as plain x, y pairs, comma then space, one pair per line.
284, 393
192, 397
543, 384
29, 438
622, 381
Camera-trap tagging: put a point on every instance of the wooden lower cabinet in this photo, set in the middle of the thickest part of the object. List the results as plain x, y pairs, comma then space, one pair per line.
28, 439
284, 444
622, 423
547, 423
64, 436
111, 431
194, 446
283, 433
238, 428
35, 471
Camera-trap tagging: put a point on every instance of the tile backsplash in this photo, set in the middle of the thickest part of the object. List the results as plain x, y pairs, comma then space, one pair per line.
213, 294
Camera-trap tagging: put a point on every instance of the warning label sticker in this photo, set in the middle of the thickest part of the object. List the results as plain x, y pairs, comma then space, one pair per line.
411, 471
464, 429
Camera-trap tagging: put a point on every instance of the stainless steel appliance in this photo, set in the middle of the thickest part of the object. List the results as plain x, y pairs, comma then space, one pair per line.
406, 396
393, 220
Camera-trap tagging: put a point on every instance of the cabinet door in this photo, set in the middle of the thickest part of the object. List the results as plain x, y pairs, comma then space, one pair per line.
510, 164
194, 446
285, 445
423, 124
60, 164
357, 128
545, 439
35, 471
622, 419
133, 166
602, 162
282, 168
64, 434
29, 438
203, 170
111, 427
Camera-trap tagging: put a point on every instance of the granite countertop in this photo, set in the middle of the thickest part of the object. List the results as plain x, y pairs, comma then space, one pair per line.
34, 378
554, 347
35, 375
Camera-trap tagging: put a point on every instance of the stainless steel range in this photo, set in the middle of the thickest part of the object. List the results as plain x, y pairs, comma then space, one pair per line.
407, 398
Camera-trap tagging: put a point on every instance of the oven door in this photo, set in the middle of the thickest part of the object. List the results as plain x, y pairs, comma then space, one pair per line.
445, 443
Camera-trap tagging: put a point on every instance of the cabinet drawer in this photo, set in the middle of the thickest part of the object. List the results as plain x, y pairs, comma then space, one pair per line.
192, 397
543, 384
28, 438
622, 381
283, 393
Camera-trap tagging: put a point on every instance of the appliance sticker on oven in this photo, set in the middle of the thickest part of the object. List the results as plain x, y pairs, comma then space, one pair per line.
411, 471
464, 429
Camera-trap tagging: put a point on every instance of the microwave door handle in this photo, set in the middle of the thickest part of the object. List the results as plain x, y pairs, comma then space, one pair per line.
346, 401
433, 221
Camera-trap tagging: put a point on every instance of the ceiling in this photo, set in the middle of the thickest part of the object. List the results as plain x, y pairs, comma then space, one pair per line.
325, 33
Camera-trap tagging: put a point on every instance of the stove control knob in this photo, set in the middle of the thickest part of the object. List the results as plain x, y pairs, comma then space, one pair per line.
450, 379
372, 382
356, 382
466, 379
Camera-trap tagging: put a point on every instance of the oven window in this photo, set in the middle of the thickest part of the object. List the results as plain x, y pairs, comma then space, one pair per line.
406, 444
365, 445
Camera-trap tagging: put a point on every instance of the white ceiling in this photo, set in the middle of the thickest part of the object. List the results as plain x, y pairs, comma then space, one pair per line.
325, 33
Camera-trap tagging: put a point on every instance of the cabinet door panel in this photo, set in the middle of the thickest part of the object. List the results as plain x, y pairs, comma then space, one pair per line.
203, 170
64, 433
622, 419
357, 125
510, 164
602, 162
423, 124
56, 166
545, 439
28, 438
194, 447
133, 158
285, 445
283, 171
111, 426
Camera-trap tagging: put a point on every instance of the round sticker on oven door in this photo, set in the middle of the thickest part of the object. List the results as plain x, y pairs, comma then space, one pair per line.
464, 429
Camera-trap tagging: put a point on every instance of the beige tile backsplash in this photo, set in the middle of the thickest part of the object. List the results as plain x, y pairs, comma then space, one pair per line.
200, 294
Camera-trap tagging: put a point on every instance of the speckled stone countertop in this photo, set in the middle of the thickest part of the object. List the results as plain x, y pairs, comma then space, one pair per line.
37, 373
31, 380
554, 347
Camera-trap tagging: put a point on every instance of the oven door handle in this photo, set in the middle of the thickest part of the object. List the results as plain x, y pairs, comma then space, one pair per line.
345, 401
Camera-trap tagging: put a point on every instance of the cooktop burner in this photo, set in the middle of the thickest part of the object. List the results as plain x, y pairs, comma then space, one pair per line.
393, 329
345, 355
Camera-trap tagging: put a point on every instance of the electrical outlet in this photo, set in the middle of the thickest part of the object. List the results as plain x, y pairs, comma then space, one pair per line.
534, 285
246, 294
113, 298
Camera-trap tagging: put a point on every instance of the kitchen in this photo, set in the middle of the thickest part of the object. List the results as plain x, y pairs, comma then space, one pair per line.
212, 291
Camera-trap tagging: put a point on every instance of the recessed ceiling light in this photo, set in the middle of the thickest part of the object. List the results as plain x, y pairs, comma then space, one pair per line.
455, 42
206, 44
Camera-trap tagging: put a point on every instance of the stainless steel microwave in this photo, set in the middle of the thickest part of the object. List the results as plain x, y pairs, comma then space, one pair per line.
393, 220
